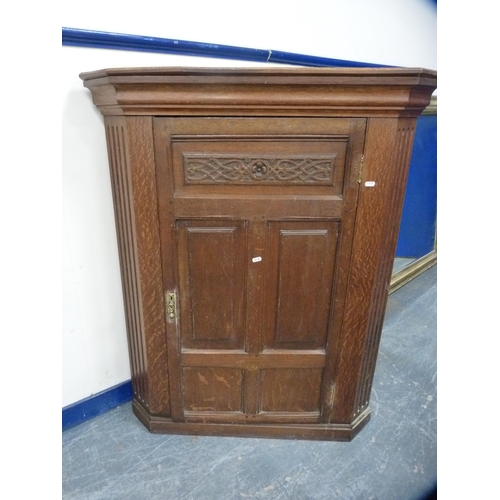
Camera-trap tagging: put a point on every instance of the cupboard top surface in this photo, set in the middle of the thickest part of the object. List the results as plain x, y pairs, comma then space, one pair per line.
365, 74
174, 91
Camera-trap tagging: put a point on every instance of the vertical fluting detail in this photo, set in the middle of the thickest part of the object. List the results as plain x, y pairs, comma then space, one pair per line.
122, 193
402, 156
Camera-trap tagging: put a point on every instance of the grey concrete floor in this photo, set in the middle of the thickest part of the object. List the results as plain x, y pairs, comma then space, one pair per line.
393, 458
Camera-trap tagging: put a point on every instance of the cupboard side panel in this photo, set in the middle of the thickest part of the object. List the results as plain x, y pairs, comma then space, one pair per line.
134, 191
116, 138
394, 208
143, 177
386, 162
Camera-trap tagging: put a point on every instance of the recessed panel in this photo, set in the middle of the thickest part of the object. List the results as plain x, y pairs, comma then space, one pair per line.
278, 169
290, 390
300, 281
212, 278
279, 165
212, 389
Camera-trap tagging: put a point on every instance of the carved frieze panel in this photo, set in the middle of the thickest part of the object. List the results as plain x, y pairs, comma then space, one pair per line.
229, 169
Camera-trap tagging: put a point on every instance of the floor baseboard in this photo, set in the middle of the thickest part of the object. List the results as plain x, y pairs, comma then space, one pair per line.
97, 404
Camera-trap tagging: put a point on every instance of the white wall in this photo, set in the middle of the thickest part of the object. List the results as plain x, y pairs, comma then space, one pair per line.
393, 32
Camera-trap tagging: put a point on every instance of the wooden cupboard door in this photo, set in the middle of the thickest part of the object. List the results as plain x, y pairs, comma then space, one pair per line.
257, 220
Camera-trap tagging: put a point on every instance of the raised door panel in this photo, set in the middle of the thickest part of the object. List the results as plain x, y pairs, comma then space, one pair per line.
291, 390
300, 270
212, 390
212, 275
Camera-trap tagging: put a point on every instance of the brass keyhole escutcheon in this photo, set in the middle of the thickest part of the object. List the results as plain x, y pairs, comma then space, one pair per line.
171, 305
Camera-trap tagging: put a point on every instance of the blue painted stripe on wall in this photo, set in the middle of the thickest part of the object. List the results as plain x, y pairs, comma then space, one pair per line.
93, 406
277, 56
121, 41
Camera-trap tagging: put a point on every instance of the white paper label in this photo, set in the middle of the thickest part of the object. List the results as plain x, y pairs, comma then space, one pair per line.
256, 259
369, 184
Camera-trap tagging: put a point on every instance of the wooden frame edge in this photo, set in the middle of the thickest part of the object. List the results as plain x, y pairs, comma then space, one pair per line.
412, 270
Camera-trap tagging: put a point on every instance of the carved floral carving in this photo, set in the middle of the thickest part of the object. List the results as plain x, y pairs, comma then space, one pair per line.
212, 169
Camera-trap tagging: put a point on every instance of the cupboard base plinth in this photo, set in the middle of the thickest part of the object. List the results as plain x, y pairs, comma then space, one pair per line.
322, 432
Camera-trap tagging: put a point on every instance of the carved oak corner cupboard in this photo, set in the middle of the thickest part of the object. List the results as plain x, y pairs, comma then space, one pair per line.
257, 214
